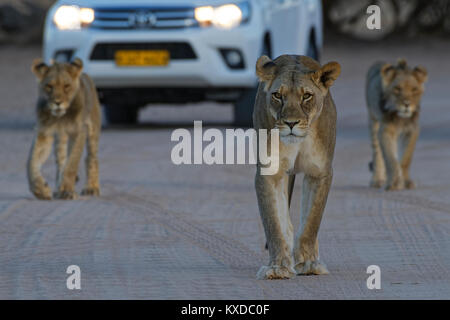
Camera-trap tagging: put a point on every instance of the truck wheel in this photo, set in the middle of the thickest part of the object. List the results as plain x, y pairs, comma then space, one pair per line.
243, 109
312, 51
121, 113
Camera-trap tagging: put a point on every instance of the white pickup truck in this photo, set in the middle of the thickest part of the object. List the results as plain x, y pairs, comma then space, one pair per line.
178, 51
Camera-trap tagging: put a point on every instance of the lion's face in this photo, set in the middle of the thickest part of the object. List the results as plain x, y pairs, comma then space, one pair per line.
295, 97
403, 88
58, 84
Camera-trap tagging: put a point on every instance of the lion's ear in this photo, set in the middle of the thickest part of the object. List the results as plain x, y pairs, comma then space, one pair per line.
387, 73
39, 68
265, 69
421, 74
326, 75
76, 67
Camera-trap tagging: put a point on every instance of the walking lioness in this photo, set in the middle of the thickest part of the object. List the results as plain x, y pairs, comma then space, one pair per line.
68, 112
294, 97
393, 100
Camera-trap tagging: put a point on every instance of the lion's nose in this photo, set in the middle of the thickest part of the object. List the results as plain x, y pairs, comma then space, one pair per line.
291, 124
58, 102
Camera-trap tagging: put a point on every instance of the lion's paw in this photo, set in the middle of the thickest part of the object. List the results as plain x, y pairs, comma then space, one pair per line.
92, 192
275, 272
311, 267
409, 184
65, 195
394, 187
377, 183
42, 191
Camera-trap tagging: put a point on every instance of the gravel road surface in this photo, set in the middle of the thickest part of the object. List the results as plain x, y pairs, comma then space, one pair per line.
162, 231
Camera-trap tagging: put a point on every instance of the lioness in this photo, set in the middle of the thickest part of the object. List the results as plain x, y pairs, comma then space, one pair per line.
294, 97
393, 96
68, 111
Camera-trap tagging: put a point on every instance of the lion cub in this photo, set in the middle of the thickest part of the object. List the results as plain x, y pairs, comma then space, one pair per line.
393, 96
68, 112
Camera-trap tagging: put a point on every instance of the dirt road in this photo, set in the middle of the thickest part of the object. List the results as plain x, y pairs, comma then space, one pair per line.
162, 231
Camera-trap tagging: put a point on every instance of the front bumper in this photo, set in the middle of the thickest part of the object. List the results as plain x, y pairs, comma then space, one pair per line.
208, 70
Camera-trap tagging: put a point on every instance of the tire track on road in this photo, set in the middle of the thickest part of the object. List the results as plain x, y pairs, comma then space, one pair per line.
229, 252
225, 249
399, 196
418, 239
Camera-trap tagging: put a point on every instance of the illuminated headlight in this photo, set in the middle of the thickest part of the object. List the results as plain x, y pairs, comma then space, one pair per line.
226, 16
73, 17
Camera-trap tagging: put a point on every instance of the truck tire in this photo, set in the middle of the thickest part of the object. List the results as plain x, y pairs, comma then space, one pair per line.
121, 114
243, 108
312, 50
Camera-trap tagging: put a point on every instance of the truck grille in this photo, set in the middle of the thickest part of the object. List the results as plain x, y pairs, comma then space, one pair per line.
144, 18
178, 50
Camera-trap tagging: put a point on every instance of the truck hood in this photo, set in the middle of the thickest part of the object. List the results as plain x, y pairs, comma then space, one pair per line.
132, 3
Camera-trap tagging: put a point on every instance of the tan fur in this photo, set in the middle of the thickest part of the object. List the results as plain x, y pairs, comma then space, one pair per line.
393, 96
294, 91
68, 113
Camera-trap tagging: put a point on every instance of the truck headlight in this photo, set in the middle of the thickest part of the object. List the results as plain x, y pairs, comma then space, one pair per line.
226, 16
73, 17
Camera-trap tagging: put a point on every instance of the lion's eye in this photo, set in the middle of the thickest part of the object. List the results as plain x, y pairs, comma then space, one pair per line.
48, 88
67, 87
397, 90
277, 95
307, 96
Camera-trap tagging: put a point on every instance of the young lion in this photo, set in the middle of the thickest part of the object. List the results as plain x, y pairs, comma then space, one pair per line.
393, 96
294, 97
68, 111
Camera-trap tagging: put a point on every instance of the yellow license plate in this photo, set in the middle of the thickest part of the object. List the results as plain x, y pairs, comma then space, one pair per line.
142, 58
